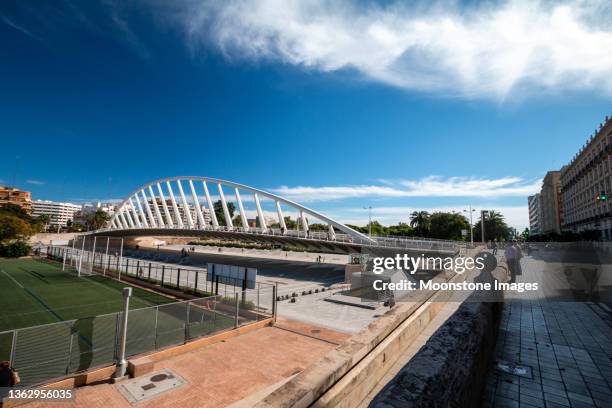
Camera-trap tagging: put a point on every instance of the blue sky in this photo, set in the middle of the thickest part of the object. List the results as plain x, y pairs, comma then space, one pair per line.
337, 105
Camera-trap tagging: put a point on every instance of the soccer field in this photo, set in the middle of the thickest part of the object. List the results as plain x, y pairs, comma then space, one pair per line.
34, 292
68, 324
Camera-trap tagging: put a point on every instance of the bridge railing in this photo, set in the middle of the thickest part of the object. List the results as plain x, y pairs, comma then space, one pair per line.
377, 241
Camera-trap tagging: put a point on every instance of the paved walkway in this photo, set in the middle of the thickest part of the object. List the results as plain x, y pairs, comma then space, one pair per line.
220, 374
567, 346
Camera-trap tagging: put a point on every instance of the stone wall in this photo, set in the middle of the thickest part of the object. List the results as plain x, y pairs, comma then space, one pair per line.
450, 369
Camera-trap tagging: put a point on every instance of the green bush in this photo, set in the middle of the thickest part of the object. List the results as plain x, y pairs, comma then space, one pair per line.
14, 249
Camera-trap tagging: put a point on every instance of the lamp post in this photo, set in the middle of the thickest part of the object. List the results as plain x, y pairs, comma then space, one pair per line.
483, 214
369, 208
471, 210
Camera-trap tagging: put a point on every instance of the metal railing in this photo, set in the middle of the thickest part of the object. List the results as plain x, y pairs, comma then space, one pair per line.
376, 240
195, 280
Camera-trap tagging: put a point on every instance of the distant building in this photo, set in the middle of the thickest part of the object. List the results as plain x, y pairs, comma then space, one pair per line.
88, 209
59, 213
10, 195
551, 213
535, 213
587, 177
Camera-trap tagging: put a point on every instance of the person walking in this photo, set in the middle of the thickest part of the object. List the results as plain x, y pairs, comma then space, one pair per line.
494, 246
511, 256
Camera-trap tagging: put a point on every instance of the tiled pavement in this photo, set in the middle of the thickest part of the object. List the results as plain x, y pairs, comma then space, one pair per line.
569, 349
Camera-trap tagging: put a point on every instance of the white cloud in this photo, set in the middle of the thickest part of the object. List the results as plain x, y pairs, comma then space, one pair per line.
476, 51
515, 216
35, 182
432, 186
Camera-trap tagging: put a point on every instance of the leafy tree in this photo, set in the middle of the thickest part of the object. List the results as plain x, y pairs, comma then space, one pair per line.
445, 225
15, 210
218, 206
317, 227
14, 228
14, 249
291, 224
419, 220
237, 221
97, 219
525, 234
41, 223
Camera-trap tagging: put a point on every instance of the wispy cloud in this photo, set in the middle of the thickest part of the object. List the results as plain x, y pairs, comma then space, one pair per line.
35, 182
20, 28
432, 186
487, 50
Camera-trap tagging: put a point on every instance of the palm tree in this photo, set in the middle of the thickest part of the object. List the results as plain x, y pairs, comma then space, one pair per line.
419, 220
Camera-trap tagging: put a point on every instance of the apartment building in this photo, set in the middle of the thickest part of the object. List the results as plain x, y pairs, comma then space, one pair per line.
59, 213
10, 195
551, 210
586, 183
535, 214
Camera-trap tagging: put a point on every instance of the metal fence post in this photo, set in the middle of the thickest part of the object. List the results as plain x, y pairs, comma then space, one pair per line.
274, 305
195, 284
237, 303
122, 362
257, 314
70, 353
149, 278
155, 333
187, 322
178, 279
13, 347
163, 273
217, 285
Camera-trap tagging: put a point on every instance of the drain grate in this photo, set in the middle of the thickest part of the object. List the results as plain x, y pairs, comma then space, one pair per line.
514, 369
149, 386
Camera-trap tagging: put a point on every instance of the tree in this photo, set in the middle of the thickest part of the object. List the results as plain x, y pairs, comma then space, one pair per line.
291, 225
443, 225
218, 206
237, 221
495, 227
41, 223
14, 228
97, 219
525, 234
419, 220
17, 211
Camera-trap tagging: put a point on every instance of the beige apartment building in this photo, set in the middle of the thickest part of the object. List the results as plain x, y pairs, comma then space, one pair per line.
585, 180
10, 195
551, 213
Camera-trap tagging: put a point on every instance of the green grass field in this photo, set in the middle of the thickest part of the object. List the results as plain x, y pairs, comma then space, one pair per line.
34, 292
37, 292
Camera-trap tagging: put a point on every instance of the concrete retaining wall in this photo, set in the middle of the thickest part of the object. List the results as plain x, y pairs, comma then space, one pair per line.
450, 368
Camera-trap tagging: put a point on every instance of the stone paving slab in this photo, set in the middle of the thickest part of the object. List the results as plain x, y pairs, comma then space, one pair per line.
568, 346
220, 374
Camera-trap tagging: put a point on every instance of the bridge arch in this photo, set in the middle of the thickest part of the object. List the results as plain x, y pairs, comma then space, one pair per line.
150, 207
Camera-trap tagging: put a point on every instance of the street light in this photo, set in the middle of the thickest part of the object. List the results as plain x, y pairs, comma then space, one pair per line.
483, 214
369, 208
471, 210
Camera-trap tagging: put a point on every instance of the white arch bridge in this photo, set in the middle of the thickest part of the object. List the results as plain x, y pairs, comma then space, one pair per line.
185, 206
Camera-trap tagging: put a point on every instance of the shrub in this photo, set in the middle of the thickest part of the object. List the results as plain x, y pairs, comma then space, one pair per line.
14, 249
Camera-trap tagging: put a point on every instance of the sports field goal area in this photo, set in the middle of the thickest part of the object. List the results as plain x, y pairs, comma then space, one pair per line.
54, 323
